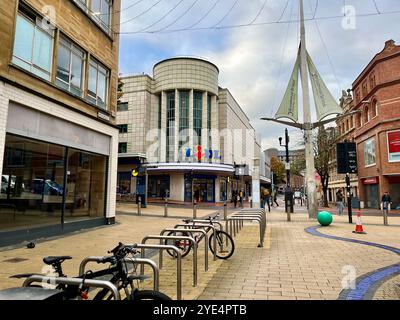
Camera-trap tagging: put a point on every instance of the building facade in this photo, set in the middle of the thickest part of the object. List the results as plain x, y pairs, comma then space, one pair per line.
58, 134
191, 135
377, 97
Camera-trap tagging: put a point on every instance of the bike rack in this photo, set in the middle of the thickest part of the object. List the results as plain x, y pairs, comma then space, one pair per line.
151, 237
178, 263
208, 221
73, 281
203, 226
191, 231
242, 218
141, 261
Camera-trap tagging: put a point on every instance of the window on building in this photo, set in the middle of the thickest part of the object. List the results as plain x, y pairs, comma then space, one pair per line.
170, 126
366, 114
369, 152
33, 45
374, 109
358, 96
197, 115
122, 106
365, 88
100, 10
183, 119
123, 128
209, 113
358, 120
70, 66
98, 84
372, 80
351, 122
122, 147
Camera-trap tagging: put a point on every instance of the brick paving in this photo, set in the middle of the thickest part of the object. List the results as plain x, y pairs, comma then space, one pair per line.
292, 264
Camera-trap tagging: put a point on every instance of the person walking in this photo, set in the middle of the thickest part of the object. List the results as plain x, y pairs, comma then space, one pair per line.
275, 197
266, 196
234, 197
339, 202
386, 203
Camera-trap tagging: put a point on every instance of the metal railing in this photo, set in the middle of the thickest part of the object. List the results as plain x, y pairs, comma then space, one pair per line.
88, 283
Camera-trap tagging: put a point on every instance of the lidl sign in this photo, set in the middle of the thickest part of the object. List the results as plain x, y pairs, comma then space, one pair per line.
199, 153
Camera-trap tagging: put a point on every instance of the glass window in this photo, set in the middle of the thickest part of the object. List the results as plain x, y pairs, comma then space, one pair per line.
170, 126
123, 128
33, 47
197, 116
123, 106
98, 84
101, 10
369, 152
183, 120
122, 147
70, 66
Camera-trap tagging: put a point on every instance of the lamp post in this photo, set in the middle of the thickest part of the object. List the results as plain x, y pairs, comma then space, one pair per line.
288, 191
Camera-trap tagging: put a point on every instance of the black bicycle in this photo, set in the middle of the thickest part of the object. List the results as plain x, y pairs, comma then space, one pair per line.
225, 244
118, 273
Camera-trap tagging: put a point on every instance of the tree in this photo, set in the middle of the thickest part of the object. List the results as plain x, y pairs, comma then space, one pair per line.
324, 145
278, 168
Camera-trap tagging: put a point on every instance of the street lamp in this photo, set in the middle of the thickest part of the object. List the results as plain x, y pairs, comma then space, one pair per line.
288, 191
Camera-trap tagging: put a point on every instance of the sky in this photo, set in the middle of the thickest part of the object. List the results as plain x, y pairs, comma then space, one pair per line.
256, 59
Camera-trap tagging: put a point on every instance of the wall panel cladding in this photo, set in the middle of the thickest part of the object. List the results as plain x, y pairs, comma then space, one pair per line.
185, 73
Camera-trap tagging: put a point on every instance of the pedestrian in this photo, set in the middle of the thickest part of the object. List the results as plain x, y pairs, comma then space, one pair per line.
386, 201
339, 202
234, 197
266, 196
275, 197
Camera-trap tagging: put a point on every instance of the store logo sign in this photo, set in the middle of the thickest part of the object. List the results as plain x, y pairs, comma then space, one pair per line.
199, 154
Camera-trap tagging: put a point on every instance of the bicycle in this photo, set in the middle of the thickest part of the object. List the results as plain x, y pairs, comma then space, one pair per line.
118, 274
225, 243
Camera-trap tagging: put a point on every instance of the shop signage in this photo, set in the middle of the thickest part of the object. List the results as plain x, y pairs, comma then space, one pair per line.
373, 180
103, 116
199, 153
393, 138
346, 155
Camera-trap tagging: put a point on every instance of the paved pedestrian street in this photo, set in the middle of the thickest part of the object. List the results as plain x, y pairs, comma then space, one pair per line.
297, 261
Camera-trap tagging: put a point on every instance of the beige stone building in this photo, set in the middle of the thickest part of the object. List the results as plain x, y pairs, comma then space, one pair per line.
185, 128
58, 99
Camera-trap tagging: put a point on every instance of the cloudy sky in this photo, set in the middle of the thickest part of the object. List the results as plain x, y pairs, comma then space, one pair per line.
255, 61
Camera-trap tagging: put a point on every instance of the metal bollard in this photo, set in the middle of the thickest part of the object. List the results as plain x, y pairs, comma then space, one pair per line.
225, 211
194, 210
385, 217
166, 208
139, 206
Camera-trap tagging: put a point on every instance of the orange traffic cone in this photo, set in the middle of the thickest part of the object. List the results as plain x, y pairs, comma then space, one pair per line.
359, 227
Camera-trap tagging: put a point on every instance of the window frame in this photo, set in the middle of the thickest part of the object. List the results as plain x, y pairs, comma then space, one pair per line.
72, 49
36, 26
119, 147
123, 126
366, 150
92, 62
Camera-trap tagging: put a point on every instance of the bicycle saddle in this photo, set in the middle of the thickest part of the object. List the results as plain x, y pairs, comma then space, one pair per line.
55, 259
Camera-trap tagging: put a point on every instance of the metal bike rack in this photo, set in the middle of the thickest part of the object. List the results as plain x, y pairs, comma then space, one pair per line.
74, 281
233, 219
178, 263
160, 263
208, 221
191, 231
203, 226
141, 261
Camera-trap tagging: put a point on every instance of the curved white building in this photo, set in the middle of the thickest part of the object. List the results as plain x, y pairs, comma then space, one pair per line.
183, 126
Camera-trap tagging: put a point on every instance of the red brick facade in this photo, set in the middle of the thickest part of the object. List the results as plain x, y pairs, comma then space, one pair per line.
376, 94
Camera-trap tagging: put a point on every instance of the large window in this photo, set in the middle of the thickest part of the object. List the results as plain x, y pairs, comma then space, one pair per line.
122, 106
170, 126
209, 103
33, 190
197, 115
33, 45
98, 84
123, 128
101, 10
183, 120
122, 147
70, 66
369, 152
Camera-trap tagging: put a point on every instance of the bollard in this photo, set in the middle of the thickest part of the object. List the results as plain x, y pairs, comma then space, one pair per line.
225, 211
166, 208
139, 208
385, 217
194, 210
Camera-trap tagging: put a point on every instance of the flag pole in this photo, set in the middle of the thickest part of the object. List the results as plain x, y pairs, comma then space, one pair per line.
308, 136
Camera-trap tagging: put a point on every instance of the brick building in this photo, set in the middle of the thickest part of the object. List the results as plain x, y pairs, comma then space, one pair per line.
377, 127
58, 134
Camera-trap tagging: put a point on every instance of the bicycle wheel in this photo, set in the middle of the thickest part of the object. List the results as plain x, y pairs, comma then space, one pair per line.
139, 295
225, 244
183, 245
